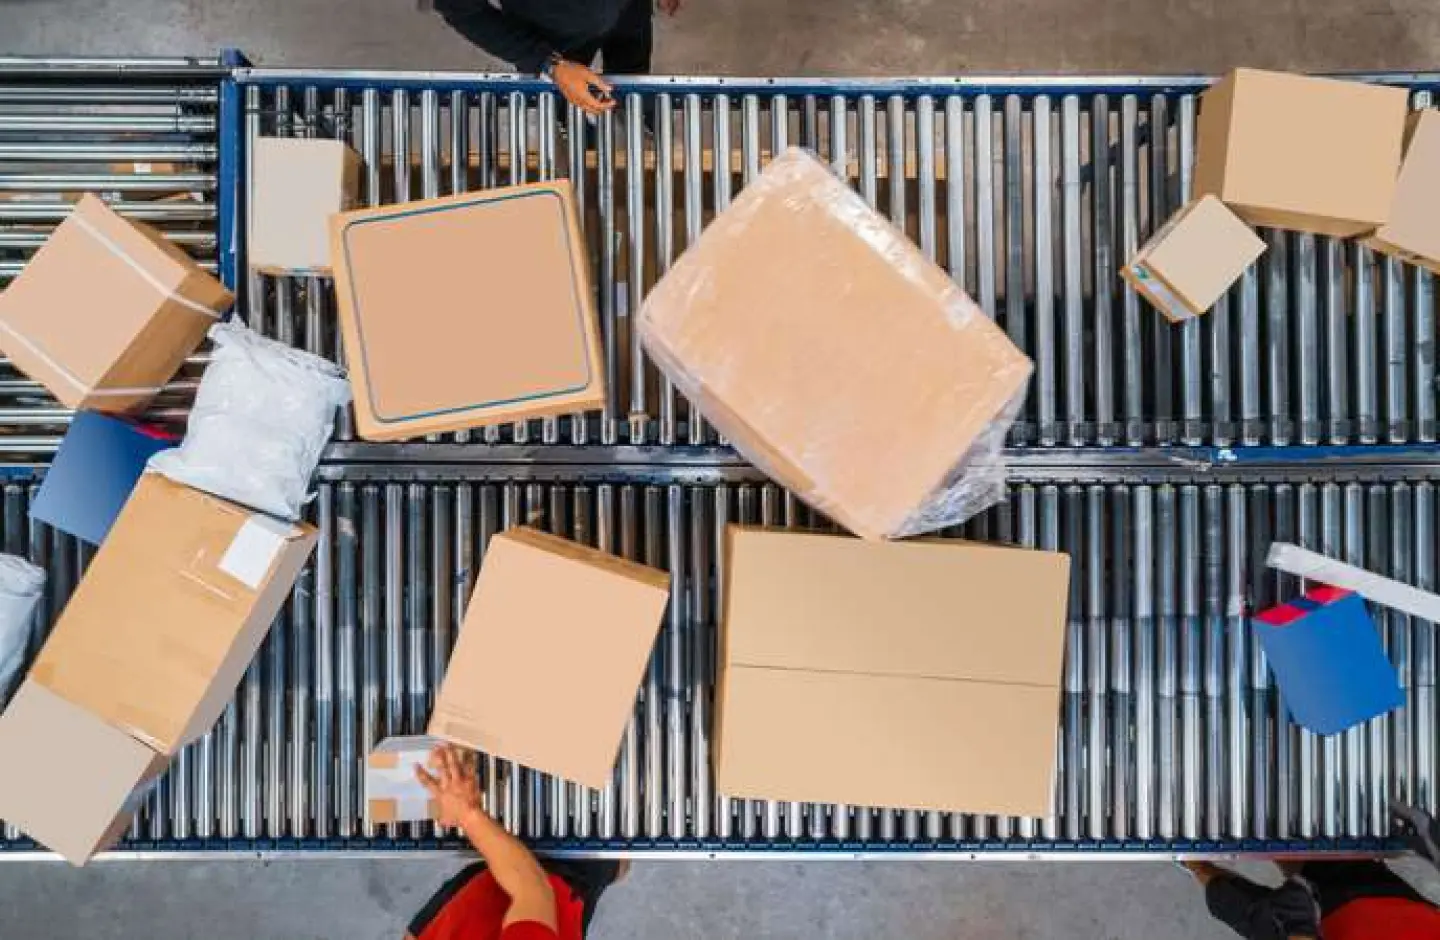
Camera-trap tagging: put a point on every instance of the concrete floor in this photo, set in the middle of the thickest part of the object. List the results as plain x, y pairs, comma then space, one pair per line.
364, 900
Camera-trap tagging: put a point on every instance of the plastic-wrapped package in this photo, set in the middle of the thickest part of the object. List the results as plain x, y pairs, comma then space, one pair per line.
261, 418
837, 358
21, 585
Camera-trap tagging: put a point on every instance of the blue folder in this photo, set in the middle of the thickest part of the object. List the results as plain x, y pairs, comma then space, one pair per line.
1328, 660
98, 464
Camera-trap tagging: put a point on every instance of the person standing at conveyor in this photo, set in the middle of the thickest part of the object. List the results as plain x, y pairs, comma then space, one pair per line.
561, 38
510, 894
1339, 900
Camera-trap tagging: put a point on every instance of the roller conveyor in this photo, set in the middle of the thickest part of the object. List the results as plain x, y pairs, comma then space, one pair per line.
1165, 459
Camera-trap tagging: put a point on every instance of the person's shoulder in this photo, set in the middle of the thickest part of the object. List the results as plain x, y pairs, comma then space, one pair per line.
528, 930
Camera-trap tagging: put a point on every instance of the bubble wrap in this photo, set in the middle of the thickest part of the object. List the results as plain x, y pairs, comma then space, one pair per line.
835, 356
261, 418
21, 585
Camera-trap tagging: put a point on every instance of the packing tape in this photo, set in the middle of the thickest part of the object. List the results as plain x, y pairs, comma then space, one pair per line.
395, 783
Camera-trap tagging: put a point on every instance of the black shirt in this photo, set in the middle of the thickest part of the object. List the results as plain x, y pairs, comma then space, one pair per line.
525, 32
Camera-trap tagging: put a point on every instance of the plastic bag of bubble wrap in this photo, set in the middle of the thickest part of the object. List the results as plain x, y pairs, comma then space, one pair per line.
836, 357
261, 418
21, 585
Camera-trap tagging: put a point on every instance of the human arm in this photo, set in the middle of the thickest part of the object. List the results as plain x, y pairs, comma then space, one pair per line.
1288, 912
452, 785
1420, 829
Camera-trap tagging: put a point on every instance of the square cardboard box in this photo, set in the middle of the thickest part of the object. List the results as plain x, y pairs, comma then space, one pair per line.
1295, 152
1412, 232
105, 313
296, 185
548, 662
464, 311
1191, 262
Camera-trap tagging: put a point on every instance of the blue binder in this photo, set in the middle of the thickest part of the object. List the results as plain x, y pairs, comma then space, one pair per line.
98, 464
1328, 660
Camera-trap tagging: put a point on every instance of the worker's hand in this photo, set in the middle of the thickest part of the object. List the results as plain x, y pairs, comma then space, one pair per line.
582, 86
1420, 829
669, 7
452, 784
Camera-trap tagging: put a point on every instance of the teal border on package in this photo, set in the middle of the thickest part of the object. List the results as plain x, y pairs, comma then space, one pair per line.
480, 199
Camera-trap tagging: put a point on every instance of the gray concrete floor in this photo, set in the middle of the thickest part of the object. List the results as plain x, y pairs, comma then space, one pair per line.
373, 899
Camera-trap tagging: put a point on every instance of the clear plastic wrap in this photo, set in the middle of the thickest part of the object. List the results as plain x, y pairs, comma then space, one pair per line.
260, 421
837, 358
21, 585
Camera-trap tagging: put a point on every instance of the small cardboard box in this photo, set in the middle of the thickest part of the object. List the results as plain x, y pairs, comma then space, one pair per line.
72, 781
468, 310
834, 355
550, 656
179, 597
105, 313
1331, 668
392, 793
1295, 152
1412, 231
296, 185
938, 661
93, 473
1193, 259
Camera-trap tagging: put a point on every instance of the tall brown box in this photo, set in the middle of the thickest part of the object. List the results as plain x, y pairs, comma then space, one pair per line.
837, 358
1295, 152
548, 662
295, 185
468, 310
143, 660
1412, 231
105, 312
939, 662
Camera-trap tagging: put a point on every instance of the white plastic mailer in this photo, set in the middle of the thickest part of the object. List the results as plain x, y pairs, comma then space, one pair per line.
21, 585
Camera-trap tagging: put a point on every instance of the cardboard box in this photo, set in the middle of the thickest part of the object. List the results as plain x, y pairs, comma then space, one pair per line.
392, 793
1412, 230
1193, 259
93, 473
464, 311
296, 185
105, 313
72, 781
160, 630
547, 664
938, 661
837, 358
1295, 152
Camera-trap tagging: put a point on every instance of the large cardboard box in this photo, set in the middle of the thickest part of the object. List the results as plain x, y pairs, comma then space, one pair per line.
1295, 152
169, 614
468, 310
921, 674
105, 312
1412, 231
836, 357
72, 782
296, 185
550, 656
1193, 259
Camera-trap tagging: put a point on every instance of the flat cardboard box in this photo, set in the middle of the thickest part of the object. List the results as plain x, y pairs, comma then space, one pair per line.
1295, 152
72, 782
464, 311
170, 612
939, 661
548, 662
832, 353
296, 185
1412, 231
392, 793
1193, 259
94, 472
105, 312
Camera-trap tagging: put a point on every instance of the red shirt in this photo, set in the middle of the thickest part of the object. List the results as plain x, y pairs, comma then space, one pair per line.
477, 911
1374, 919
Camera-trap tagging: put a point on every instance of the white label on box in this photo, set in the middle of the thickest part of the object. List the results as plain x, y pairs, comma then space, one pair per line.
254, 548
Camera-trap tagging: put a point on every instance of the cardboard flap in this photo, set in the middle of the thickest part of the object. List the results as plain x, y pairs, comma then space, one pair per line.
935, 608
69, 777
